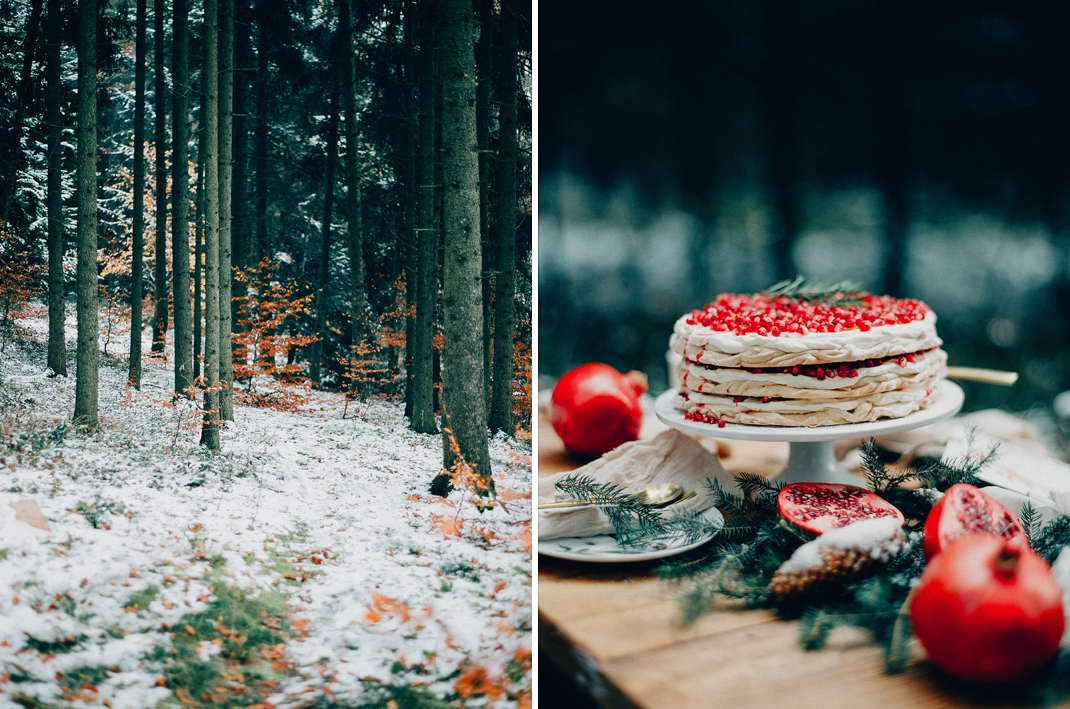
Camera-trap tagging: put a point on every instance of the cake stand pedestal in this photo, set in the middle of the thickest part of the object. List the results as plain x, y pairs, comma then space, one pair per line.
811, 457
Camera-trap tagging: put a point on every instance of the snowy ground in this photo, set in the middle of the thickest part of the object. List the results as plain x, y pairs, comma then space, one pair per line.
304, 565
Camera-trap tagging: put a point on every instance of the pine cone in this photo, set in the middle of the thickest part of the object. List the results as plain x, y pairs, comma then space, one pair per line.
828, 561
841, 565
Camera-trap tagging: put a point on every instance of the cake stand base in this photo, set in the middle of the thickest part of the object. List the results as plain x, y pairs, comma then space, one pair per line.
814, 462
811, 457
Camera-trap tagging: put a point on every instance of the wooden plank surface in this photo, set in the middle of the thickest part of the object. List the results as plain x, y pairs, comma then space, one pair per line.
614, 628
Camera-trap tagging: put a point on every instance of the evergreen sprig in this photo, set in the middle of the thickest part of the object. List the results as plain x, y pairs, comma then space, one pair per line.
636, 525
742, 559
842, 293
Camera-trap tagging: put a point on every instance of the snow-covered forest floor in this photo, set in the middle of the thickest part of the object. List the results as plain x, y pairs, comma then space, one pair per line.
305, 565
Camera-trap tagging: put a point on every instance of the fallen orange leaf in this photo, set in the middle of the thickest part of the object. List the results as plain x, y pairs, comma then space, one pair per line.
448, 526
185, 698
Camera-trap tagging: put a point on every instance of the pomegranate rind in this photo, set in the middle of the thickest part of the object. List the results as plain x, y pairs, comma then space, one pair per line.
594, 408
984, 624
820, 507
964, 509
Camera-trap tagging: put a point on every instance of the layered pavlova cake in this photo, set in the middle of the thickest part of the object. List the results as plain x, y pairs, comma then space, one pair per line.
794, 356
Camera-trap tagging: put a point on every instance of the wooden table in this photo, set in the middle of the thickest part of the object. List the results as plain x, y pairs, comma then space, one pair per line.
615, 630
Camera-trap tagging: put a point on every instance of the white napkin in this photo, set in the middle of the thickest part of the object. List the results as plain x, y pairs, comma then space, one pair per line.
671, 456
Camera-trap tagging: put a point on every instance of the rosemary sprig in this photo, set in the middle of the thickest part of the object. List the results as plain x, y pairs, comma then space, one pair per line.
842, 293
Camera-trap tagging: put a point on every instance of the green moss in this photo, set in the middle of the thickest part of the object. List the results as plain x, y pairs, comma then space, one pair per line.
55, 647
242, 626
141, 600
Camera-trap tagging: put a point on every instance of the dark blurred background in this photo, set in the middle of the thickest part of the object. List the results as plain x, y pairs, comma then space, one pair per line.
918, 148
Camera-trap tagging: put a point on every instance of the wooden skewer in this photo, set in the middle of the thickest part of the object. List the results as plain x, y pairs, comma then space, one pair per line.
988, 376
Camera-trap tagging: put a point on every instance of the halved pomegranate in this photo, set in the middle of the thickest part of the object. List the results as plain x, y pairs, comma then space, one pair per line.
819, 507
966, 510
988, 609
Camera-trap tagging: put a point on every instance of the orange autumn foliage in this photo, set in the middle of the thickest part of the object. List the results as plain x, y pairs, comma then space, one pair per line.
384, 606
476, 681
448, 526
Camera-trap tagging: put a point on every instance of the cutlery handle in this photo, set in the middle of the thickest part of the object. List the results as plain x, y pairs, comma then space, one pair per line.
988, 376
570, 503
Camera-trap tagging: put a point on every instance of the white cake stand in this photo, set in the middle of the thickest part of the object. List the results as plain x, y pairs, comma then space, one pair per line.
811, 457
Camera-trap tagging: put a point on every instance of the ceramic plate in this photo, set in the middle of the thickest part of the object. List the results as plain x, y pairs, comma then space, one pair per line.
603, 548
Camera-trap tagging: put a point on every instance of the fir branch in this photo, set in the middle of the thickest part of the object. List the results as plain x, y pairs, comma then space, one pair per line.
842, 293
636, 524
1051, 540
621, 506
1031, 523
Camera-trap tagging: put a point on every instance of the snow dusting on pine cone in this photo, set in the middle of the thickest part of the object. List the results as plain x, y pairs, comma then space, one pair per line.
838, 556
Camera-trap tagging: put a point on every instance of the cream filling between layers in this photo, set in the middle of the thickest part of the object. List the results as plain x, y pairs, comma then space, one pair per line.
724, 349
811, 414
926, 368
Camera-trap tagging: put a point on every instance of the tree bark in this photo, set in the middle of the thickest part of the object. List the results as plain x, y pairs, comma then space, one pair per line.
88, 354
463, 392
501, 407
484, 71
211, 422
57, 345
263, 249
137, 256
159, 316
239, 231
226, 156
408, 179
180, 206
354, 207
319, 347
423, 412
198, 254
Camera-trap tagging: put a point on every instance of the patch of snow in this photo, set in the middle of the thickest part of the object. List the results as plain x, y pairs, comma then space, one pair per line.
385, 580
879, 536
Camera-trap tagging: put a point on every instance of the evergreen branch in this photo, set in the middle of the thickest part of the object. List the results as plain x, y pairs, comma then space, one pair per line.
636, 524
1030, 520
842, 293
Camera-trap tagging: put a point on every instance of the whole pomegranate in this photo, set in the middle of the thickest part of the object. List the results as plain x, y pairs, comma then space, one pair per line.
594, 408
988, 609
966, 510
819, 507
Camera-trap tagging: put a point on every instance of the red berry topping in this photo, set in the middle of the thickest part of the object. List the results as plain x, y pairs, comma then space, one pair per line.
782, 316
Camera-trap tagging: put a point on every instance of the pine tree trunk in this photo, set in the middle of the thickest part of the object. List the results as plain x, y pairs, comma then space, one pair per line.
57, 345
159, 316
210, 426
463, 391
88, 354
198, 254
501, 407
408, 178
263, 249
319, 347
484, 70
137, 256
180, 206
354, 228
423, 412
226, 156
239, 231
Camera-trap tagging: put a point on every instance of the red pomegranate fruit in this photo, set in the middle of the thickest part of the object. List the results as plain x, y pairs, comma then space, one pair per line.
819, 507
594, 408
988, 609
966, 510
